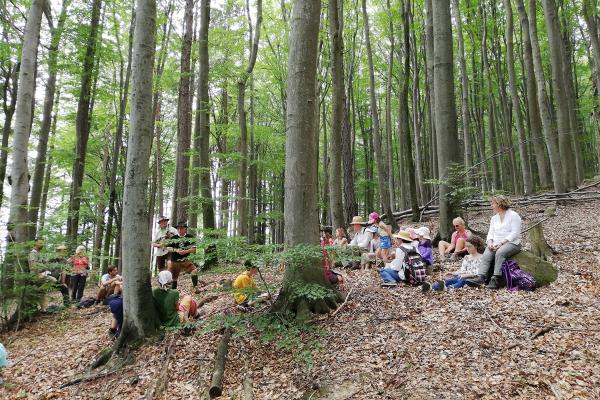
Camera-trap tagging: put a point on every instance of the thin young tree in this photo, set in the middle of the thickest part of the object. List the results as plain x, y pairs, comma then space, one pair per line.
140, 321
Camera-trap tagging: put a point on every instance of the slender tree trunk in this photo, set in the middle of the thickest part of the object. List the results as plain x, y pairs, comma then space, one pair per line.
592, 20
180, 209
380, 154
445, 108
82, 124
140, 320
562, 102
9, 111
550, 133
241, 109
535, 122
48, 169
23, 112
429, 61
464, 80
203, 121
337, 116
516, 104
388, 113
42, 148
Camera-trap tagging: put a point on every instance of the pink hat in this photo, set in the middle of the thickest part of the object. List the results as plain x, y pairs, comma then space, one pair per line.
372, 217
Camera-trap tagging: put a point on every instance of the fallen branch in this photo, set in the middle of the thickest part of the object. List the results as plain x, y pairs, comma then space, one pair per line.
206, 300
89, 378
343, 304
160, 385
216, 388
326, 316
541, 331
247, 393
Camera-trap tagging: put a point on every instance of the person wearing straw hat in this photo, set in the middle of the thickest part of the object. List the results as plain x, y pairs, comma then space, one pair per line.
394, 271
362, 238
159, 243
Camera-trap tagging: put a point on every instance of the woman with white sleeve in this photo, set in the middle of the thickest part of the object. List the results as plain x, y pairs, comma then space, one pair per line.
503, 241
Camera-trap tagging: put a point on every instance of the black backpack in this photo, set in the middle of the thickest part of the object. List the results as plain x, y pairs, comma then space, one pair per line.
415, 269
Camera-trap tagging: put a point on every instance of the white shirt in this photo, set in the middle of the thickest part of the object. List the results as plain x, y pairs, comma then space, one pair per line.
161, 234
362, 239
106, 277
397, 264
508, 229
470, 264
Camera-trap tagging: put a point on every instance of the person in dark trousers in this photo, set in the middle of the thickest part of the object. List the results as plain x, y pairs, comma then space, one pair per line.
180, 247
80, 264
160, 242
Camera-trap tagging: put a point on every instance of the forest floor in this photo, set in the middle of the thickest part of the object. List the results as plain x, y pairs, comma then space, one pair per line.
383, 344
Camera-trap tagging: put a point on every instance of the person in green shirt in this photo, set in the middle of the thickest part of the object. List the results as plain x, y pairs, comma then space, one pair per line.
172, 310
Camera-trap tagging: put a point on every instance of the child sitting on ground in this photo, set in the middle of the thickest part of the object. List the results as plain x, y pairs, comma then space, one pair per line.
424, 247
3, 361
244, 289
470, 265
171, 310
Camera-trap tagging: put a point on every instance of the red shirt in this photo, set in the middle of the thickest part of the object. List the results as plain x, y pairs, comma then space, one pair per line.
80, 263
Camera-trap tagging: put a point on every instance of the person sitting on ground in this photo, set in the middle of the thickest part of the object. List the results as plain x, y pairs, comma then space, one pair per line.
3, 361
424, 247
181, 246
160, 242
48, 275
80, 264
362, 237
503, 241
171, 310
469, 268
371, 255
116, 308
340, 237
385, 236
244, 288
394, 271
110, 283
326, 237
456, 247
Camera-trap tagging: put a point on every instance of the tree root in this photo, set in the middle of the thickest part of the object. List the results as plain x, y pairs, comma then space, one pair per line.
162, 377
117, 364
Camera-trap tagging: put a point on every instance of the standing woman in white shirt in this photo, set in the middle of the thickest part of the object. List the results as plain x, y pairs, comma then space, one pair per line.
503, 241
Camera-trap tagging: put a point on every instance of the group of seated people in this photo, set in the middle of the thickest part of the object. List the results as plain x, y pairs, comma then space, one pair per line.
407, 255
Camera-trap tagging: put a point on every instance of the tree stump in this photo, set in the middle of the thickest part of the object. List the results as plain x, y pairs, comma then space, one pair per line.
539, 246
543, 271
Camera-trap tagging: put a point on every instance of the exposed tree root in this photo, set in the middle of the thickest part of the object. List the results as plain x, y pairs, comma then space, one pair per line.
161, 379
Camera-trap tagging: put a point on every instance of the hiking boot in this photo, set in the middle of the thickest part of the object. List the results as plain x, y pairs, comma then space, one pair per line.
496, 282
476, 282
389, 284
440, 286
425, 287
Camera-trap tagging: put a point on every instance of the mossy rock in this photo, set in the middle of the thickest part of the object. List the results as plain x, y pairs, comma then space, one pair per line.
543, 271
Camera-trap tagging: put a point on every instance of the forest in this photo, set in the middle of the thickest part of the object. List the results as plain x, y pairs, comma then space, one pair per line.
202, 138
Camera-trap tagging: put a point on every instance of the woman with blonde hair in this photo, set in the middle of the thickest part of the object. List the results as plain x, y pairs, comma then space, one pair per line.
80, 263
456, 247
340, 237
503, 241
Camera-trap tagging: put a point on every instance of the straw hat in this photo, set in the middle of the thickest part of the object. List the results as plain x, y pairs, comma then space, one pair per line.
357, 220
403, 235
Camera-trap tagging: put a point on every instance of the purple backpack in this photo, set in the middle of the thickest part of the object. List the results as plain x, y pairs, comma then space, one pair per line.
516, 278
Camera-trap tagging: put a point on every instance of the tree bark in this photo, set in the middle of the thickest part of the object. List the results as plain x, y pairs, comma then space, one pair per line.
82, 124
9, 111
430, 81
445, 108
535, 123
565, 147
516, 104
25, 93
180, 209
140, 320
550, 133
380, 154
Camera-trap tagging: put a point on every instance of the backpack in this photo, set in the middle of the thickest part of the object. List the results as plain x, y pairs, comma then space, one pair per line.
86, 302
415, 266
516, 278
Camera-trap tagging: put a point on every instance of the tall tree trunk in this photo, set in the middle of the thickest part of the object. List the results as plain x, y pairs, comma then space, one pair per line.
516, 104
42, 148
562, 102
82, 124
9, 111
202, 119
301, 217
337, 115
535, 122
25, 93
48, 168
445, 108
464, 81
556, 166
404, 118
592, 20
380, 154
241, 109
430, 84
388, 113
180, 209
140, 320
